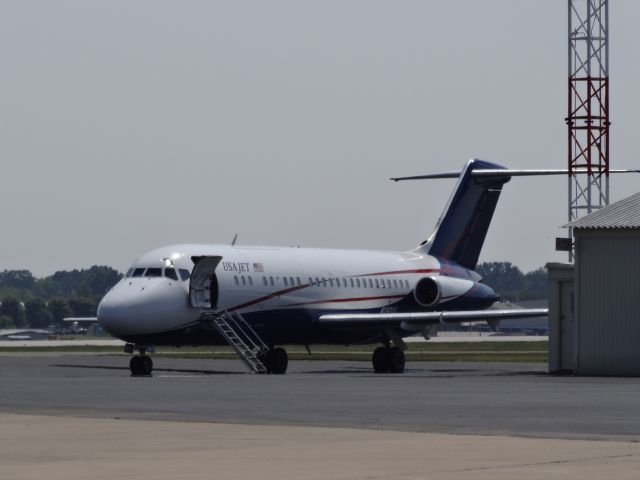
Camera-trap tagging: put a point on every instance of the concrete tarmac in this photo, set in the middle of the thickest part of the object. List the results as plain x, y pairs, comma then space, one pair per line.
59, 448
79, 415
471, 398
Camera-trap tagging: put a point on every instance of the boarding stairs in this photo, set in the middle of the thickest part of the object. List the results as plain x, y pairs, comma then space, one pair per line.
241, 337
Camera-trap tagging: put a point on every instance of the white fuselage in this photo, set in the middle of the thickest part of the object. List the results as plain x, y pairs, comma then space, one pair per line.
153, 297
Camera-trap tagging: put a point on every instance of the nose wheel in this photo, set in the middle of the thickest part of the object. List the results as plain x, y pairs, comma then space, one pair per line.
140, 365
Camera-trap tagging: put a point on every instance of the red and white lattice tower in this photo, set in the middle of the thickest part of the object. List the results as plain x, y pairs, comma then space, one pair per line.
588, 114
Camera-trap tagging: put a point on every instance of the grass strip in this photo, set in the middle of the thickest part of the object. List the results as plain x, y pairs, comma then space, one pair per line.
520, 351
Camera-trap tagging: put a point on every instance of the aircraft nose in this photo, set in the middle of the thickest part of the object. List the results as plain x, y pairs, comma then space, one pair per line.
113, 310
142, 306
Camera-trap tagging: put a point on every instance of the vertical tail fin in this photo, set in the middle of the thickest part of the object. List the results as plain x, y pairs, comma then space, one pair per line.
462, 228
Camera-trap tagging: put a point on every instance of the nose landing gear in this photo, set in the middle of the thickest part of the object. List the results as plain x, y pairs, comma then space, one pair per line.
140, 365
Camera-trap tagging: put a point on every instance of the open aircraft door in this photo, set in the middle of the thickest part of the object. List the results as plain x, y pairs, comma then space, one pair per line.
203, 285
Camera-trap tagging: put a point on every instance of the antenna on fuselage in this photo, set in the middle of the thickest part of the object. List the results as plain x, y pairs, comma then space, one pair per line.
233, 242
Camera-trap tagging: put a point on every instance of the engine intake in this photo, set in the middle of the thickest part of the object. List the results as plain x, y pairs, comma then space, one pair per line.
427, 292
431, 291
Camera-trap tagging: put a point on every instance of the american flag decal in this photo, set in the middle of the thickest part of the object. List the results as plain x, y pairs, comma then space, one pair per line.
257, 267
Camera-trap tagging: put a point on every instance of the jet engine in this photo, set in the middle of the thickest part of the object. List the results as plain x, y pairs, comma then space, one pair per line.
431, 291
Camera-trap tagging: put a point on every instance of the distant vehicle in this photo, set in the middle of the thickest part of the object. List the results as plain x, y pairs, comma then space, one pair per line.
75, 325
255, 298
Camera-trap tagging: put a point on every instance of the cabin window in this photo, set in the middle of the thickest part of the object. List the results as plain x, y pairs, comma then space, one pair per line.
358, 282
129, 272
243, 280
264, 280
377, 284
317, 282
310, 281
184, 274
250, 280
170, 273
351, 282
331, 282
395, 283
291, 281
299, 282
138, 272
271, 281
153, 272
235, 277
324, 282
370, 283
284, 279
406, 284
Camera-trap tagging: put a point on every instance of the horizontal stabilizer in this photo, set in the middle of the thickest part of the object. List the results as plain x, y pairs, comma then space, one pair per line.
494, 172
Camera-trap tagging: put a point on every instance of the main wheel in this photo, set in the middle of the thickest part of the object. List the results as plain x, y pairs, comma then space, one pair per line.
396, 360
279, 361
380, 360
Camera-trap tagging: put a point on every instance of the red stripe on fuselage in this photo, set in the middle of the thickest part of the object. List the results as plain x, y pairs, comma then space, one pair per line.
399, 272
268, 297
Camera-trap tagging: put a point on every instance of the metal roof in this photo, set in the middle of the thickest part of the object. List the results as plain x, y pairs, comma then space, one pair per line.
622, 214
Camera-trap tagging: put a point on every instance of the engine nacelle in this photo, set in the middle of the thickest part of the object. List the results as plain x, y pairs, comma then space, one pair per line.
432, 291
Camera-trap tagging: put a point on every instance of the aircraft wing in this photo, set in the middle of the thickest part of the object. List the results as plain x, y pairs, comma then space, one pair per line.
416, 321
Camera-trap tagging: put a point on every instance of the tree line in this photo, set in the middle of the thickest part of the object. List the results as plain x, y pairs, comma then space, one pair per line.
511, 284
27, 301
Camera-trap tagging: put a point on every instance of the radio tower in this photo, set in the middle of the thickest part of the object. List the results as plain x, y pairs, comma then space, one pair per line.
588, 114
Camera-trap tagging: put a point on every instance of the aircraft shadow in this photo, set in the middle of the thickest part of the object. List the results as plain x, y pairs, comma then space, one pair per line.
155, 370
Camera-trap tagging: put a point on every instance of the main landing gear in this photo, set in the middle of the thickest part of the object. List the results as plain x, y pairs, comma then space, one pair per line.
388, 359
276, 361
140, 365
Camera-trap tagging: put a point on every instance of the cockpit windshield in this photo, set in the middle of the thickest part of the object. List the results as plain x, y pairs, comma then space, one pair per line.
171, 273
168, 272
138, 272
153, 272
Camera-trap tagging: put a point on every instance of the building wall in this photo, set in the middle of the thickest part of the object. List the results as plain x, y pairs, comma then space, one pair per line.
608, 297
562, 325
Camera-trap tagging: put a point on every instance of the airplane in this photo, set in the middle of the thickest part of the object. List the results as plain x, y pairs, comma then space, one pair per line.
257, 299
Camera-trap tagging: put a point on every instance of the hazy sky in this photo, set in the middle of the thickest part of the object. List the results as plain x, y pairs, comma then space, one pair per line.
128, 125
